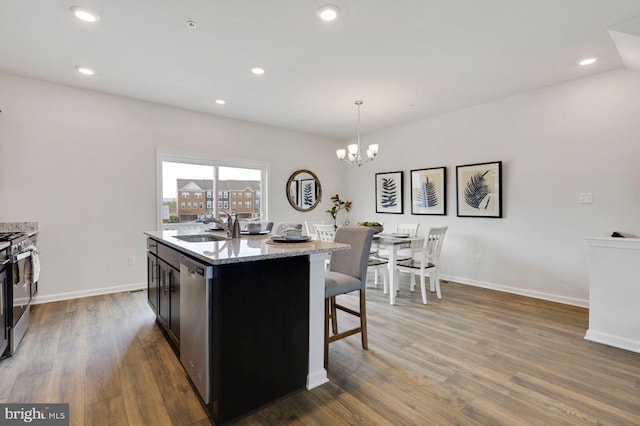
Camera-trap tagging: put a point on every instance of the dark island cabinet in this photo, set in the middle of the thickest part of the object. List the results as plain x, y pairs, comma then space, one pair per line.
163, 281
257, 320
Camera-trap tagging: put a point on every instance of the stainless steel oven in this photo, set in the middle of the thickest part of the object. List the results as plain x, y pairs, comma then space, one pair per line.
18, 292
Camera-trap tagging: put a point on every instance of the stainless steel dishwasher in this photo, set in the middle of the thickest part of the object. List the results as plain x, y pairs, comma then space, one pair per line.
195, 291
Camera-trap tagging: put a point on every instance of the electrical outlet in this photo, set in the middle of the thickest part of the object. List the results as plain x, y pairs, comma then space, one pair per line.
132, 260
585, 198
478, 258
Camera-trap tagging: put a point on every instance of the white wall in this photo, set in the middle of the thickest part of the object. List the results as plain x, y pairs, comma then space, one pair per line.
580, 136
83, 165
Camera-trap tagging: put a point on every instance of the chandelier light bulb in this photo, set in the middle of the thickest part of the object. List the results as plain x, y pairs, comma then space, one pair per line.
353, 153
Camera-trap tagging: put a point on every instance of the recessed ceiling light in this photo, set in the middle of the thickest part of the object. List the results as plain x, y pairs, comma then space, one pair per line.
221, 101
328, 12
192, 25
86, 70
84, 14
587, 61
257, 70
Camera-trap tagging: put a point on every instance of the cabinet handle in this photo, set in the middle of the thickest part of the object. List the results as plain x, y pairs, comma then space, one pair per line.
169, 285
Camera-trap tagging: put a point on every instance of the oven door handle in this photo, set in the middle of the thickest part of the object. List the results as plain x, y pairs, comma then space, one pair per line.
18, 257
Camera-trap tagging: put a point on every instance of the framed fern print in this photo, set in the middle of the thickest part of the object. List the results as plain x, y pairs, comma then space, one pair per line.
389, 192
479, 189
308, 193
428, 188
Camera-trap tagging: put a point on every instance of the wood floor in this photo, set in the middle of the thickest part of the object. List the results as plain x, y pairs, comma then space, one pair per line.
475, 357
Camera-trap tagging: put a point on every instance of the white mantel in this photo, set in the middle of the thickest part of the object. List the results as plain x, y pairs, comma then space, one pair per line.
614, 292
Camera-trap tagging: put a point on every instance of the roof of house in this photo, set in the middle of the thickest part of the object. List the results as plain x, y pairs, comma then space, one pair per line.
223, 185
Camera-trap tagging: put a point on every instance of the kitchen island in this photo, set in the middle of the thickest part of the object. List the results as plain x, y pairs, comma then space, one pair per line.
264, 305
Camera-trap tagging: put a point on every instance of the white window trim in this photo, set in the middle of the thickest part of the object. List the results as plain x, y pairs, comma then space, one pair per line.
208, 160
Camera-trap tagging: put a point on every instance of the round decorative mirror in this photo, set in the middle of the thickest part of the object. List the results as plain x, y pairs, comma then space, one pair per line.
303, 190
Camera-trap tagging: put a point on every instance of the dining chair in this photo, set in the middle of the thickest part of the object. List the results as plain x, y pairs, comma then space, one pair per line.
426, 261
403, 228
379, 266
325, 232
347, 273
310, 228
407, 228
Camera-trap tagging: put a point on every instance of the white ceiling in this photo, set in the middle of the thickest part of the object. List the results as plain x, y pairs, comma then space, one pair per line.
406, 59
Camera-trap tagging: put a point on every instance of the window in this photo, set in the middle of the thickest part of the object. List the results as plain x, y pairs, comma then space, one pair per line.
183, 175
247, 204
233, 204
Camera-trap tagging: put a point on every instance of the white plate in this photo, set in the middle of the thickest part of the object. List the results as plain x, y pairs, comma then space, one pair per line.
283, 239
254, 233
400, 235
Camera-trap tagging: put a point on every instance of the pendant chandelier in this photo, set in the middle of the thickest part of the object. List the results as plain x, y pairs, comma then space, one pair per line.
353, 154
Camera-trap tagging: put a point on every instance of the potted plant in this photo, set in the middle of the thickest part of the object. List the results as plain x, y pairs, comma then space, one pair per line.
338, 205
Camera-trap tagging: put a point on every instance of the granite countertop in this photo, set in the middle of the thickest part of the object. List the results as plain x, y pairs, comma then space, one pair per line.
247, 248
30, 228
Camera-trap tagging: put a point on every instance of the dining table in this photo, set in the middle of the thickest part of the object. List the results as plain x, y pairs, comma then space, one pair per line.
391, 243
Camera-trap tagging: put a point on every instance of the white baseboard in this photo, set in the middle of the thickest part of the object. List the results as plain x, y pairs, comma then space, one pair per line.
583, 303
613, 340
87, 293
317, 378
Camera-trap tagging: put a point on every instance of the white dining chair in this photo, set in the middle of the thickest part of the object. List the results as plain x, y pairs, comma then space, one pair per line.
310, 228
325, 232
426, 261
407, 228
410, 229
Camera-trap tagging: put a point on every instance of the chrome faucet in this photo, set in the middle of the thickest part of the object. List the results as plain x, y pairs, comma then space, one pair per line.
232, 227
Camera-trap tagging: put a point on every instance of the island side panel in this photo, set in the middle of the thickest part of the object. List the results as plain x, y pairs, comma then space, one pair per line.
260, 333
317, 373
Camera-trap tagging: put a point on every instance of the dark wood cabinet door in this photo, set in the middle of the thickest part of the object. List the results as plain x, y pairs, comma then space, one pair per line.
152, 281
4, 329
174, 303
164, 309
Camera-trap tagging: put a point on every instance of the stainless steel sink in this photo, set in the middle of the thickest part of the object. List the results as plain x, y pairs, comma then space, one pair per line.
200, 238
